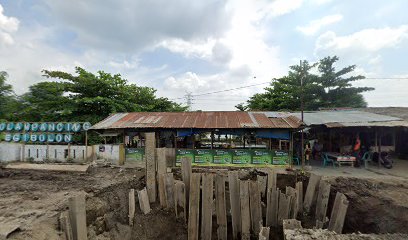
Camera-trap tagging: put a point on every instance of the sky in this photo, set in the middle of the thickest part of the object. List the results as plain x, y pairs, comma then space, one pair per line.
183, 46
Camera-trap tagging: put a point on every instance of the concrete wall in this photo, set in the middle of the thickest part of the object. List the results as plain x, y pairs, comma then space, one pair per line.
57, 152
10, 151
110, 152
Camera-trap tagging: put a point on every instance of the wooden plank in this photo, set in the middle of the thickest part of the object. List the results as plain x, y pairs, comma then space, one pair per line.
299, 196
284, 207
161, 169
169, 189
77, 217
65, 226
162, 190
194, 207
293, 209
132, 206
186, 174
272, 207
150, 155
255, 206
262, 183
235, 203
311, 193
179, 198
264, 233
144, 203
338, 213
272, 179
206, 207
322, 201
245, 211
221, 208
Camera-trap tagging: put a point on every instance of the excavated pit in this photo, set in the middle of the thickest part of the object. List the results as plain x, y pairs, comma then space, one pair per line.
36, 198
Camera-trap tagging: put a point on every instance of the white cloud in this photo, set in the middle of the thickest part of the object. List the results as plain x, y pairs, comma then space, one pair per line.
282, 7
371, 40
315, 25
321, 2
8, 25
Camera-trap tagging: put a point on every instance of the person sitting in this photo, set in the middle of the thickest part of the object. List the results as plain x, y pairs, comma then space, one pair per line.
316, 150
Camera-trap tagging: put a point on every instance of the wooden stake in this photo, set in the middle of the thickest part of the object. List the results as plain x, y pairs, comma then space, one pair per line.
162, 190
144, 203
255, 205
293, 209
220, 206
322, 201
151, 165
180, 198
311, 192
207, 195
262, 182
185, 174
245, 213
77, 217
272, 207
132, 206
234, 189
284, 207
169, 190
299, 196
338, 213
194, 207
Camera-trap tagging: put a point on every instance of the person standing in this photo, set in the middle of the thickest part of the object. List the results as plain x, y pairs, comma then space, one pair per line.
356, 150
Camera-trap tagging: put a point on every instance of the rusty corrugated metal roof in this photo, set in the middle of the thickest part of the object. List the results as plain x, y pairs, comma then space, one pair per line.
210, 120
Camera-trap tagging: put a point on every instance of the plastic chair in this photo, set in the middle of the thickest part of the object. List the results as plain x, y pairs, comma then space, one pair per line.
327, 160
366, 158
296, 160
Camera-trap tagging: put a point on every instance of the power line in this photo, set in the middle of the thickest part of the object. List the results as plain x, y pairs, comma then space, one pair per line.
253, 85
225, 90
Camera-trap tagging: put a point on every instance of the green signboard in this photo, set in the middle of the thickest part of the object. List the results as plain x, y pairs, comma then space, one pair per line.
233, 157
261, 156
203, 156
222, 156
241, 156
280, 157
134, 154
184, 153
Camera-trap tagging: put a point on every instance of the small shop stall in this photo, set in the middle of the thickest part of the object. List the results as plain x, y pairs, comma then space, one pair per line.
208, 138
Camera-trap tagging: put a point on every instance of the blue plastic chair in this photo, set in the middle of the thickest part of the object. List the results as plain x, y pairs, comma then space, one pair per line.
296, 160
366, 158
327, 160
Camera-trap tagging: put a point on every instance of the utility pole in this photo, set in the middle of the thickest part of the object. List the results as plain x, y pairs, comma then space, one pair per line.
301, 110
189, 101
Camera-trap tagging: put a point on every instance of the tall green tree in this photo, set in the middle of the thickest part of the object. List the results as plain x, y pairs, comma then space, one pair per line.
85, 96
323, 87
7, 98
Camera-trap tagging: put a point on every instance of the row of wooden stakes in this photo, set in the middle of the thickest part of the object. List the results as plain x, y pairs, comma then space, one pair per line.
207, 192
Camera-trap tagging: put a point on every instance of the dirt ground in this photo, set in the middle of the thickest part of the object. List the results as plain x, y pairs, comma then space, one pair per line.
35, 199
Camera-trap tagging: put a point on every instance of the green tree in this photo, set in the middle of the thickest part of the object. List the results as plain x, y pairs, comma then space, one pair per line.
327, 88
7, 98
86, 96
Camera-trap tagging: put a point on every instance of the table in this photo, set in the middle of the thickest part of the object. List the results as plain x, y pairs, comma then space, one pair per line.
341, 158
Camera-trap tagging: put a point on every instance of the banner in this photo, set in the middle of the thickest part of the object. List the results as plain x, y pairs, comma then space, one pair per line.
280, 157
184, 153
134, 154
222, 156
233, 157
203, 156
262, 156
